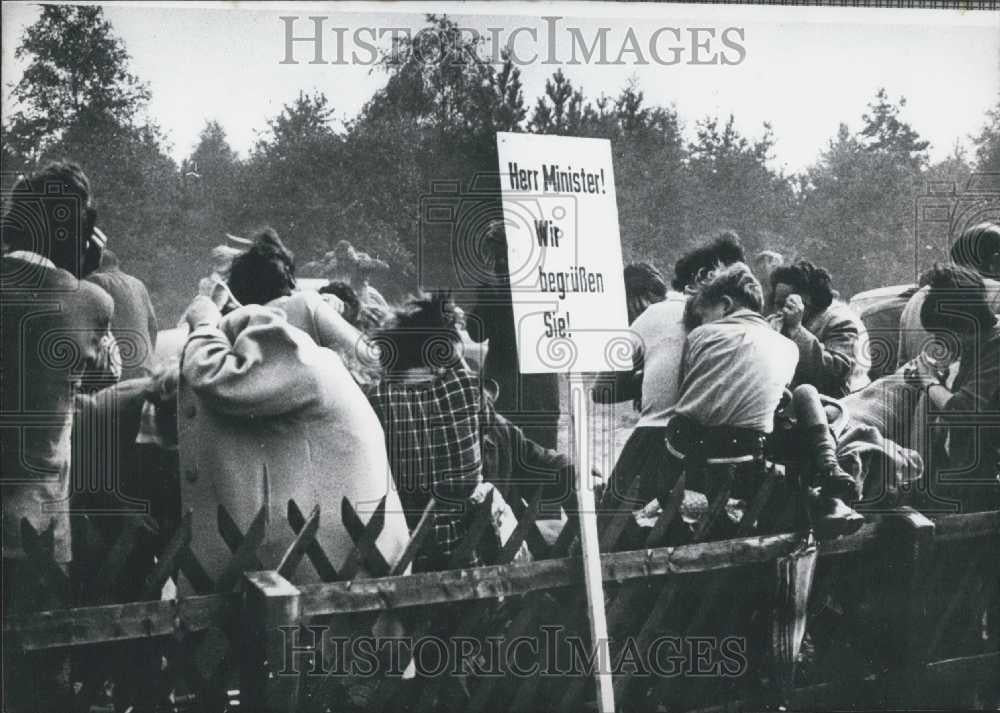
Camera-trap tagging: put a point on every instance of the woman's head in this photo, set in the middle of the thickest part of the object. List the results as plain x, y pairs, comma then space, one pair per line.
264, 272
813, 284
956, 304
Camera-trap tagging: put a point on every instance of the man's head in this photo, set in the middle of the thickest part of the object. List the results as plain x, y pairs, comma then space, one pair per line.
725, 290
978, 248
422, 333
956, 307
264, 272
813, 284
644, 285
695, 266
51, 213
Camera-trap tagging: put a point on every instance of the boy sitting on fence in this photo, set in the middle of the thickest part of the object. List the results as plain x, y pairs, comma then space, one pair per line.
734, 374
430, 404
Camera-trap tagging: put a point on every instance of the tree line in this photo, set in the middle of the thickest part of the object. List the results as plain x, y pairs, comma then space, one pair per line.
367, 180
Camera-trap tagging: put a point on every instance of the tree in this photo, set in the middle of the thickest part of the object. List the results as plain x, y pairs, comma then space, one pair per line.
885, 133
987, 143
733, 187
78, 71
560, 110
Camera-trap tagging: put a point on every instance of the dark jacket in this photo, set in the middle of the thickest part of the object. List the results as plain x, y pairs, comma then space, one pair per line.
833, 352
134, 323
973, 419
517, 465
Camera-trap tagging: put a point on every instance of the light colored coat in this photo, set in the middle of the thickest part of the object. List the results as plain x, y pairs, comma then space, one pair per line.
256, 392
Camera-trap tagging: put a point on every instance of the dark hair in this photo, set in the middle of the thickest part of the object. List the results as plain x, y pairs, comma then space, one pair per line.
422, 332
956, 301
725, 249
50, 213
644, 278
264, 272
806, 279
735, 281
976, 246
347, 295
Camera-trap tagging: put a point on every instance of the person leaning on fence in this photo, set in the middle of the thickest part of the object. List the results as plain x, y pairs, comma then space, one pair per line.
658, 344
266, 415
977, 249
56, 342
734, 375
832, 341
957, 312
430, 407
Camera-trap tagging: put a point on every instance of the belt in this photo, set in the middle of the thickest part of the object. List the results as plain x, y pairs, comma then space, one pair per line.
729, 446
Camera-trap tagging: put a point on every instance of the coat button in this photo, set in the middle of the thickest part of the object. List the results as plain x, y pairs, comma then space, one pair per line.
190, 411
191, 475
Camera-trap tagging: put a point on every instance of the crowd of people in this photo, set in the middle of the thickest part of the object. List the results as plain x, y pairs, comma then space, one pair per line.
278, 393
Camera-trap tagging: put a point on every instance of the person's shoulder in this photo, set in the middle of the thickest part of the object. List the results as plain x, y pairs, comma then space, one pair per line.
668, 310
17, 273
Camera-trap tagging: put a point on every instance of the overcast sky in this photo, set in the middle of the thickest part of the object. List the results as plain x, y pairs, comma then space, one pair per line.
805, 69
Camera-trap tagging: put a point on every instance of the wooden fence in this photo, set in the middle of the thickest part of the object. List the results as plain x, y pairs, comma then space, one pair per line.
893, 610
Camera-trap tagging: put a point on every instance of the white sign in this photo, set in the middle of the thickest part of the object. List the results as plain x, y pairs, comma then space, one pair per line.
565, 255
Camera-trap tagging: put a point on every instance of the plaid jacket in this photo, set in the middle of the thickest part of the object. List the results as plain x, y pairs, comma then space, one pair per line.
432, 431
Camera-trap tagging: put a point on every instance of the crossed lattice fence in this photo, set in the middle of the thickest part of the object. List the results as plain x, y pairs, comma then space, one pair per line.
904, 602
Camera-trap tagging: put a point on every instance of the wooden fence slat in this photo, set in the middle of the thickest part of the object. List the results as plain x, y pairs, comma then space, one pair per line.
361, 554
189, 565
324, 568
117, 557
481, 521
417, 539
366, 552
960, 592
117, 622
168, 560
245, 555
38, 548
296, 551
670, 510
231, 534
615, 524
910, 545
270, 603
525, 525
561, 546
426, 588
537, 545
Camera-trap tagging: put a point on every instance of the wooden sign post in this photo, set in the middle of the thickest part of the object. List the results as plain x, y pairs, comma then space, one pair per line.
568, 297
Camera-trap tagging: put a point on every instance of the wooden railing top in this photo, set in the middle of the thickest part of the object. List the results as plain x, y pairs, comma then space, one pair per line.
89, 625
